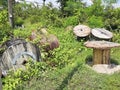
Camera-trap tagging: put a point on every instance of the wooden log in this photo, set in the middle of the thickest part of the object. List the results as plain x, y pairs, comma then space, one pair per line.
101, 34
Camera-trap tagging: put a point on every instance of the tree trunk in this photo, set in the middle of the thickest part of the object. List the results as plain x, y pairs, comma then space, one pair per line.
44, 2
10, 12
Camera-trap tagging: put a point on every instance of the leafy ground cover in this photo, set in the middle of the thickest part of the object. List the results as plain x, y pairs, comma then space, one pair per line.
65, 69
75, 76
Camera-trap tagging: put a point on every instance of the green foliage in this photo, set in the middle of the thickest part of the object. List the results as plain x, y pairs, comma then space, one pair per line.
3, 17
5, 30
95, 9
112, 19
19, 21
15, 79
22, 10
68, 48
50, 16
21, 33
116, 35
62, 5
34, 19
46, 14
3, 3
95, 21
72, 20
26, 32
72, 7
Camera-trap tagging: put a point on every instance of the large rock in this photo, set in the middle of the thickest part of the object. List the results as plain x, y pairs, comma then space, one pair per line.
33, 35
50, 42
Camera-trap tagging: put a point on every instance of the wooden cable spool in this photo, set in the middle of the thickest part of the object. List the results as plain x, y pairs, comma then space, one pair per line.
81, 31
101, 50
101, 34
17, 53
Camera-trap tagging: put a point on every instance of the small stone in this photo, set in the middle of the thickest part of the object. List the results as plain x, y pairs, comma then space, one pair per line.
106, 69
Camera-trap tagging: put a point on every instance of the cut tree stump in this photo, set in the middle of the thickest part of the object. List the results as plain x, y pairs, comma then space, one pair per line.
17, 53
81, 31
101, 34
101, 50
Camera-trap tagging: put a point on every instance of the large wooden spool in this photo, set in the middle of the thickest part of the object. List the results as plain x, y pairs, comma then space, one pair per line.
101, 34
82, 31
101, 50
17, 53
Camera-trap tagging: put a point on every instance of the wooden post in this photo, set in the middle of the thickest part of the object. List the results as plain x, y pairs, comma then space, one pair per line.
101, 56
10, 12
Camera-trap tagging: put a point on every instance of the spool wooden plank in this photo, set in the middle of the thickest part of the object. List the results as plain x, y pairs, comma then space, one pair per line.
101, 44
17, 53
101, 33
81, 30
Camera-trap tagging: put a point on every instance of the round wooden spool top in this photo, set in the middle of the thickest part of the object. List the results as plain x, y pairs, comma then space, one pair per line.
101, 44
81, 30
102, 33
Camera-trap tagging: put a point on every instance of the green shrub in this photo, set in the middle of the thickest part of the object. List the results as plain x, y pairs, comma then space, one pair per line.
72, 20
19, 21
21, 33
95, 22
17, 78
112, 19
5, 29
34, 19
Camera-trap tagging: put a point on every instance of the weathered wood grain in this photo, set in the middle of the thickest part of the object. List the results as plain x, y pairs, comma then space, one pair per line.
17, 53
101, 50
81, 30
101, 33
